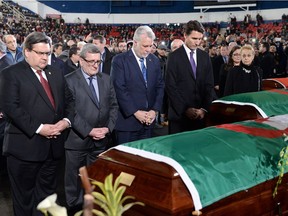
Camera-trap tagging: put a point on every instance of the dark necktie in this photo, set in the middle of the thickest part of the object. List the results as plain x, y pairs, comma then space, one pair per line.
192, 62
91, 86
46, 87
143, 69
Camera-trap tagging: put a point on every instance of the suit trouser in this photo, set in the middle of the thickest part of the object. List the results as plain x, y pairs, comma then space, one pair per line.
31, 182
74, 160
185, 125
130, 136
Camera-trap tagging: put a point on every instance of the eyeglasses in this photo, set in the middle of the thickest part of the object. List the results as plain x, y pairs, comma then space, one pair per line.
236, 54
92, 62
42, 53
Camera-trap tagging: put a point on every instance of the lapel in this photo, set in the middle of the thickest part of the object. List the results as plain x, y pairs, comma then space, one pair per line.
38, 86
100, 82
84, 85
135, 64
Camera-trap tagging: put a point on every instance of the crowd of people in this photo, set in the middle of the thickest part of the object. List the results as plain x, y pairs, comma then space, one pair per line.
81, 88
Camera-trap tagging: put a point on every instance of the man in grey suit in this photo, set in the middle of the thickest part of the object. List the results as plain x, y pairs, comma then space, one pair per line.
96, 113
189, 82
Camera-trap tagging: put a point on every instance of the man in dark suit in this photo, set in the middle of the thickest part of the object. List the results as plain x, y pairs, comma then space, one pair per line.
217, 62
39, 108
4, 62
139, 87
4, 59
72, 62
106, 55
94, 121
189, 82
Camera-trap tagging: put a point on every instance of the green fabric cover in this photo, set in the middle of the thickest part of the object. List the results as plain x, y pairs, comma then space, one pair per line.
272, 102
221, 161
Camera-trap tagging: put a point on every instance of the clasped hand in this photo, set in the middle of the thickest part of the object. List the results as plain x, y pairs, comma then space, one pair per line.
53, 130
99, 133
194, 114
145, 117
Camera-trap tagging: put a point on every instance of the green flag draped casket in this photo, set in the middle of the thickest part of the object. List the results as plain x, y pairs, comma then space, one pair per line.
228, 169
246, 106
275, 83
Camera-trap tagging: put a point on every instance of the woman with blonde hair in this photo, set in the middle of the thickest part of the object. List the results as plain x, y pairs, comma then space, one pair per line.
246, 77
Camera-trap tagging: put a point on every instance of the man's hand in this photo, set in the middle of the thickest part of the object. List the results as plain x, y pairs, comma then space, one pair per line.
62, 125
191, 113
141, 116
49, 131
99, 133
151, 116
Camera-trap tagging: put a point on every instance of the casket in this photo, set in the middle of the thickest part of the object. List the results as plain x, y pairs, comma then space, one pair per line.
229, 169
247, 106
275, 83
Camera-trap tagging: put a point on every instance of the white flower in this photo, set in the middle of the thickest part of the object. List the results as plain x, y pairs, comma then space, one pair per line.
49, 204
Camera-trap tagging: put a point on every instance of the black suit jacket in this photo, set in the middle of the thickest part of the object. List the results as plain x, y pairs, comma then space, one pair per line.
183, 90
58, 63
5, 61
88, 114
217, 63
107, 62
26, 106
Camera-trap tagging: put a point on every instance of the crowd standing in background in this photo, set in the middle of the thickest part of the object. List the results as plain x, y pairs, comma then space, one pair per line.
117, 74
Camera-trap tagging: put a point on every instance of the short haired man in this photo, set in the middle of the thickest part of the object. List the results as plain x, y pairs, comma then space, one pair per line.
96, 113
106, 55
13, 51
189, 82
175, 44
39, 108
122, 46
139, 87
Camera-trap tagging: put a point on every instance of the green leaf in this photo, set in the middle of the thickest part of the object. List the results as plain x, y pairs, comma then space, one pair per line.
98, 213
119, 193
129, 205
99, 196
116, 183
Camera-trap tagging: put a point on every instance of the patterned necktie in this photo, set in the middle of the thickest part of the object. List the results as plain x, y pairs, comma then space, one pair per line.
192, 62
91, 86
46, 87
143, 69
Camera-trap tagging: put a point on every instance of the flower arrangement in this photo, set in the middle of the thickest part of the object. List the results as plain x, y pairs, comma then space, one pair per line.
49, 207
282, 164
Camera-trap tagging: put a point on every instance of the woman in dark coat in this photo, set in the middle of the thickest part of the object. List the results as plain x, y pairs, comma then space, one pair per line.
246, 77
234, 60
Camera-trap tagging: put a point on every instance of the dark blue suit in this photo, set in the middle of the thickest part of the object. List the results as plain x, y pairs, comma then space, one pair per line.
131, 91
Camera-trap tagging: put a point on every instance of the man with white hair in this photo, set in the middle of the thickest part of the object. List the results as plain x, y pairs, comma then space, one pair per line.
139, 87
13, 51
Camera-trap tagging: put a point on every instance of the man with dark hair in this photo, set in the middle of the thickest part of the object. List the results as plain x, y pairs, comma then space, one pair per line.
39, 108
122, 46
72, 62
267, 62
57, 49
106, 55
217, 62
189, 82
